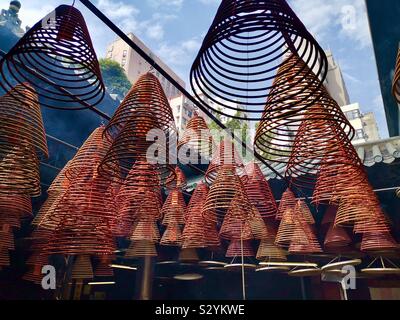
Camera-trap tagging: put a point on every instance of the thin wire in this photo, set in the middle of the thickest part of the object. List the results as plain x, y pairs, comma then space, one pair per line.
243, 274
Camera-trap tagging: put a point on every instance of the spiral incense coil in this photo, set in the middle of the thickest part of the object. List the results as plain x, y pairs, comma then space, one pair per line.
172, 236
58, 59
376, 222
141, 249
396, 79
258, 227
21, 120
14, 204
90, 153
4, 257
51, 202
226, 155
268, 251
239, 248
132, 146
233, 228
243, 50
288, 201
304, 240
82, 268
103, 268
180, 180
174, 208
146, 95
60, 183
337, 237
19, 171
145, 229
221, 194
259, 192
196, 141
378, 242
36, 262
7, 238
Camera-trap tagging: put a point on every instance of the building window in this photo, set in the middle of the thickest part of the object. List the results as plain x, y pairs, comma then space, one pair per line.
125, 53
360, 134
354, 114
179, 108
123, 62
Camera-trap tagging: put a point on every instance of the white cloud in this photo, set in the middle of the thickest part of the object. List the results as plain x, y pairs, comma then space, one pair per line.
177, 4
212, 2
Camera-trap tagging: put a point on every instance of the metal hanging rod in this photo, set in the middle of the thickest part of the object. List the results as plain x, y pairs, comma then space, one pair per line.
62, 142
88, 4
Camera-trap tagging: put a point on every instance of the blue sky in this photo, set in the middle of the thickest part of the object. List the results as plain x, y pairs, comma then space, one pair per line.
173, 29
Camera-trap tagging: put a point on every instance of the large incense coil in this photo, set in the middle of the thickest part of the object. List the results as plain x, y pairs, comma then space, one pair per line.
268, 251
396, 79
145, 230
196, 142
42, 215
21, 120
288, 201
239, 248
233, 228
259, 229
4, 257
304, 240
174, 208
6, 238
226, 155
56, 57
16, 205
259, 192
172, 236
132, 147
180, 180
376, 222
19, 171
141, 249
378, 242
336, 237
82, 268
243, 50
309, 110
196, 201
36, 262
212, 235
221, 194
146, 95
60, 183
103, 268
90, 153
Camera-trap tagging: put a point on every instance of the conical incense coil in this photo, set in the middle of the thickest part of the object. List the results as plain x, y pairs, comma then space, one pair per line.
378, 242
82, 268
288, 201
135, 144
21, 120
239, 248
286, 228
16, 205
396, 79
197, 201
34, 275
304, 240
196, 142
56, 58
146, 95
308, 109
233, 228
337, 237
174, 208
6, 238
172, 236
145, 230
243, 50
103, 268
140, 249
226, 155
19, 171
258, 227
268, 251
4, 257
90, 153
259, 192
221, 194
180, 180
60, 183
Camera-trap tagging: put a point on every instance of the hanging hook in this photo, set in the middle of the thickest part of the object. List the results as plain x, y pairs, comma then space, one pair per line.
73, 3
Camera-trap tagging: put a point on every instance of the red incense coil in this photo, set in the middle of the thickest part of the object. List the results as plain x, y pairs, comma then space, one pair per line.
57, 58
172, 236
4, 258
226, 155
259, 192
145, 229
6, 238
36, 262
378, 242
16, 205
103, 268
268, 251
396, 79
243, 50
21, 120
174, 208
196, 142
337, 237
258, 227
304, 240
239, 248
288, 201
141, 249
60, 183
82, 268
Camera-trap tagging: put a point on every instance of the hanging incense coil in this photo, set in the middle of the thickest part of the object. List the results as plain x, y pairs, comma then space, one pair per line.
268, 251
60, 183
378, 242
82, 268
259, 192
259, 229
16, 205
145, 228
396, 79
145, 95
57, 58
140, 249
239, 248
172, 236
131, 147
103, 268
21, 120
304, 240
221, 194
196, 142
242, 51
226, 155
4, 258
90, 153
36, 262
337, 237
174, 208
288, 201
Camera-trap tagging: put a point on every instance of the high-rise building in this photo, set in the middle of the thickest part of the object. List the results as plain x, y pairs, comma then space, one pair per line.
371, 127
135, 66
183, 109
